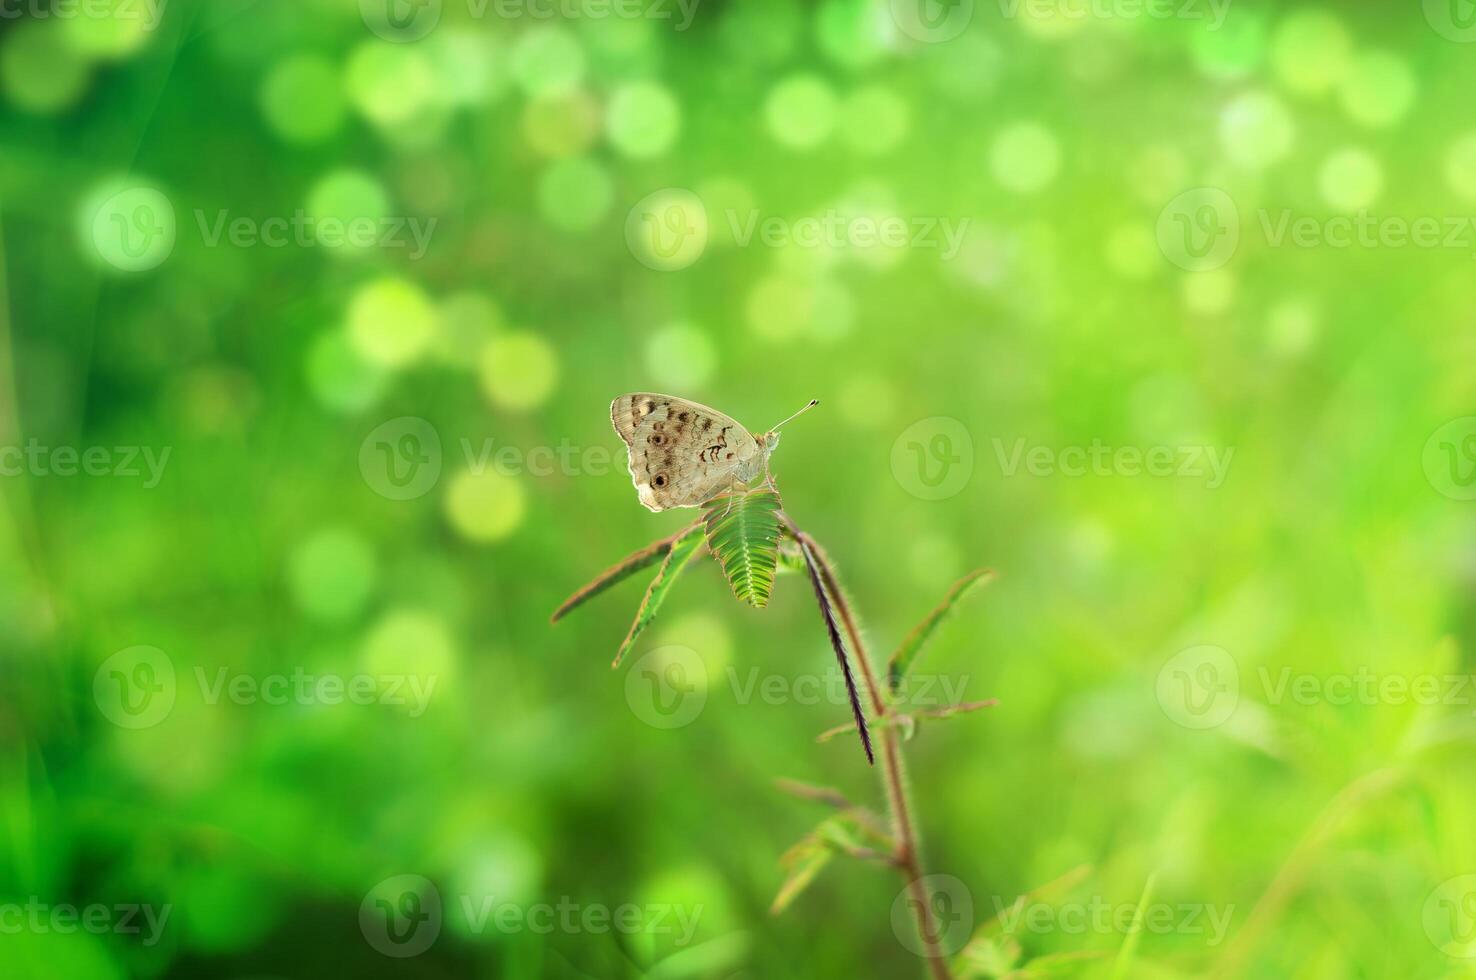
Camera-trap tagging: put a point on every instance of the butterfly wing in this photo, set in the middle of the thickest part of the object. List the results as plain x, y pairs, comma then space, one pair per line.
681, 453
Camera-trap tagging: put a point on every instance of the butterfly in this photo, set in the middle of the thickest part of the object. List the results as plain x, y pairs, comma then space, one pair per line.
683, 454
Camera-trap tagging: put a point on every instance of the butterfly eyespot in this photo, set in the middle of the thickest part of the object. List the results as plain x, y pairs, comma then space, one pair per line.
650, 406
657, 439
658, 481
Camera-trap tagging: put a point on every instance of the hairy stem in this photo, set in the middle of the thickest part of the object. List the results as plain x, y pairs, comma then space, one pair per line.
894, 773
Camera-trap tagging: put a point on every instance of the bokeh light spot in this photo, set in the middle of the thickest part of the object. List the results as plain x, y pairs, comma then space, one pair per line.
111, 29
1350, 179
485, 506
331, 574
339, 376
1256, 130
643, 120
1378, 89
800, 111
468, 321
681, 356
575, 194
1025, 157
389, 83
563, 124
40, 73
391, 322
410, 643
344, 201
874, 120
1460, 166
1310, 51
519, 370
547, 59
301, 98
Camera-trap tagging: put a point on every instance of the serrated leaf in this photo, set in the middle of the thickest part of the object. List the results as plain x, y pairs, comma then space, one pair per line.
743, 534
906, 654
682, 550
620, 571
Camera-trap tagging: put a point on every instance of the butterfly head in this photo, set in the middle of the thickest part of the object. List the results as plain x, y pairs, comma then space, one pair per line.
770, 439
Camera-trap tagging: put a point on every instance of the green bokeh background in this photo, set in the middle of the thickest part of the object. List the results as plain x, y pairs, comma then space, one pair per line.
1332, 831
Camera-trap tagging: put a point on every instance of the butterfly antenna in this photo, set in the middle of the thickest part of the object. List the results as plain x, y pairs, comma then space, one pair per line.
813, 403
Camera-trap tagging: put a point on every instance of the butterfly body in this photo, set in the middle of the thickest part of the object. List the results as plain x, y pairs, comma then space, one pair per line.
681, 453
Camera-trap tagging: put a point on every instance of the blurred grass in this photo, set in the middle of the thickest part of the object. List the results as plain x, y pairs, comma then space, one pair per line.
267, 548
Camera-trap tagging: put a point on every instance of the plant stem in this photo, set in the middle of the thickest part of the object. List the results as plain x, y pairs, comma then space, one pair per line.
894, 773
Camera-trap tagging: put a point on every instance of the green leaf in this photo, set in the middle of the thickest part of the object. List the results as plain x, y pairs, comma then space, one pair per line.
1129, 947
902, 660
803, 862
620, 571
681, 551
743, 534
